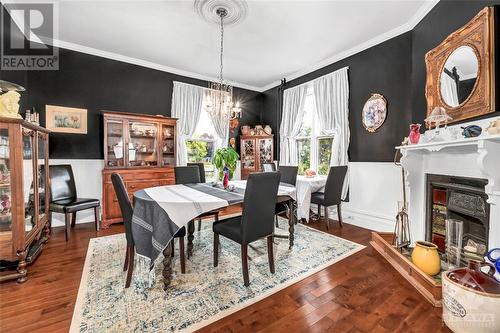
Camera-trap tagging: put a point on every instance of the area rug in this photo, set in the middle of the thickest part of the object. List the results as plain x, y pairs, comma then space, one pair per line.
205, 293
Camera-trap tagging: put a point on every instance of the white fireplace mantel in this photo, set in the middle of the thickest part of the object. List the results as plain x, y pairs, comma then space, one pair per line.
474, 157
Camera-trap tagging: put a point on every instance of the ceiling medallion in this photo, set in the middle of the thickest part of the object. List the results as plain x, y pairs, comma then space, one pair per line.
236, 11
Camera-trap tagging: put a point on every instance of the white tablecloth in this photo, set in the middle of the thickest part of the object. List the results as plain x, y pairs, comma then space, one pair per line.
305, 186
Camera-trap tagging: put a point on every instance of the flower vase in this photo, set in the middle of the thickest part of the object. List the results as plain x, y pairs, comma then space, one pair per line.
225, 180
414, 133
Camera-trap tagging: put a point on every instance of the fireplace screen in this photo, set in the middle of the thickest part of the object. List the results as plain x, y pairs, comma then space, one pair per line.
463, 201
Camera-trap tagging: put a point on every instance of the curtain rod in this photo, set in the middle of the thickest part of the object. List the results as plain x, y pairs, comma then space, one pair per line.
320, 77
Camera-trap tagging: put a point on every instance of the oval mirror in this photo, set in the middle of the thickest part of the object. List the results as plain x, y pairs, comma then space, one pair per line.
459, 76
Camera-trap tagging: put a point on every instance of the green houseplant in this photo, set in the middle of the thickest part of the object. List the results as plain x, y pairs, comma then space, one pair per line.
226, 157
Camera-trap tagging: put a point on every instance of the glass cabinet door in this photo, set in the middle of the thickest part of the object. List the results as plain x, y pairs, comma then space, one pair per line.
28, 181
5, 187
42, 165
265, 152
248, 154
114, 143
168, 145
142, 144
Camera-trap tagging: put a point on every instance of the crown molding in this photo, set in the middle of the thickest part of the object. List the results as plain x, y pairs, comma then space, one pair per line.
408, 26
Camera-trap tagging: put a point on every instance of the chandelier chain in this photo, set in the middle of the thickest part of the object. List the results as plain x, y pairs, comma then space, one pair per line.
221, 48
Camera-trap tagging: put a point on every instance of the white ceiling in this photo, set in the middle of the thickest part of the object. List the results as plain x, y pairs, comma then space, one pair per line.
277, 39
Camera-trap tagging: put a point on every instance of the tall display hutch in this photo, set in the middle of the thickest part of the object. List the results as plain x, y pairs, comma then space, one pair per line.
142, 149
24, 223
255, 151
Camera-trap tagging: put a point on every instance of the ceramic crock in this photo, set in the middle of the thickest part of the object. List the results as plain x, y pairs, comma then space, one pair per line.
471, 300
425, 256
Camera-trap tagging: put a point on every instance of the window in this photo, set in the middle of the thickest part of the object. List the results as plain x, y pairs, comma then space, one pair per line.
314, 149
201, 146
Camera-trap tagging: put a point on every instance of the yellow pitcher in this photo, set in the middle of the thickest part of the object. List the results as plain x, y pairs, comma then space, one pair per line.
425, 256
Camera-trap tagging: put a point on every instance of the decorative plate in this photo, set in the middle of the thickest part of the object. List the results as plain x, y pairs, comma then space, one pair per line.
374, 112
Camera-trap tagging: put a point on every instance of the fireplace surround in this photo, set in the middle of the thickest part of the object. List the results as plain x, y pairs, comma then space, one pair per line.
474, 158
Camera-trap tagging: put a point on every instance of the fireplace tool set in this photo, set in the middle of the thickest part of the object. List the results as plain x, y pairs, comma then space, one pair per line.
401, 237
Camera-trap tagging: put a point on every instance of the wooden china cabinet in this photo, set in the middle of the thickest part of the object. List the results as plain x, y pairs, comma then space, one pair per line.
255, 151
24, 224
142, 150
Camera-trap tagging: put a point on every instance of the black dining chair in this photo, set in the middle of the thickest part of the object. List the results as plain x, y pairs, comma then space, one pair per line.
256, 221
127, 212
64, 198
332, 194
201, 169
190, 175
268, 167
288, 176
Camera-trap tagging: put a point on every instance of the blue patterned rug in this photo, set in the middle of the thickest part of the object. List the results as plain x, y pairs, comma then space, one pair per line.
205, 293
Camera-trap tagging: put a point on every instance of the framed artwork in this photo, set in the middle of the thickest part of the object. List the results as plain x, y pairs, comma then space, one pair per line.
65, 120
374, 112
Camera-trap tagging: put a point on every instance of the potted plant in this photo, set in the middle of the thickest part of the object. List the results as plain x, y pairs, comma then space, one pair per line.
226, 158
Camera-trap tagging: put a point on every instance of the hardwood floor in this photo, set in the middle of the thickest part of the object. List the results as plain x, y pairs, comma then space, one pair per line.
362, 293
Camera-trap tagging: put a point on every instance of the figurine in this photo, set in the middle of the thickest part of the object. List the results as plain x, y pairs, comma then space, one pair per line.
414, 133
494, 127
9, 104
471, 131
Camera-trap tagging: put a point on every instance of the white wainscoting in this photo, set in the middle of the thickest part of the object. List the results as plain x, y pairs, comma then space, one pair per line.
375, 189
374, 193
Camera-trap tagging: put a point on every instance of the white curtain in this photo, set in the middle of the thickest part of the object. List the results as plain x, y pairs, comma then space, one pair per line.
293, 114
331, 94
220, 123
449, 90
187, 101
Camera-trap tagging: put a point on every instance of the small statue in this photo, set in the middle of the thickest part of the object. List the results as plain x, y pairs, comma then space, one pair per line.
9, 104
494, 127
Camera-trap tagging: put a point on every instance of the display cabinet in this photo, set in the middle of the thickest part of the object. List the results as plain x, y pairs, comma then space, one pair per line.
142, 150
255, 151
24, 224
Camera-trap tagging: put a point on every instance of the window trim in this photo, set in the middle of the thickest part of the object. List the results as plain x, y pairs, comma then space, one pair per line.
313, 137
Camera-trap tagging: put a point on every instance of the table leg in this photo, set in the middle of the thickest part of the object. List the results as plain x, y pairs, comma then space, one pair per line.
291, 223
190, 230
167, 265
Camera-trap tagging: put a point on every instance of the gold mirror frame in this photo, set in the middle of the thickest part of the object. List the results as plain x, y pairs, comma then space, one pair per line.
479, 35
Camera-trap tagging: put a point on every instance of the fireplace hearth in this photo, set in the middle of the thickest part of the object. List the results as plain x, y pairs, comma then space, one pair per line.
463, 199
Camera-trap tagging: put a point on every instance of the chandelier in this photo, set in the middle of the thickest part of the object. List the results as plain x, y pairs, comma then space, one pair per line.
219, 95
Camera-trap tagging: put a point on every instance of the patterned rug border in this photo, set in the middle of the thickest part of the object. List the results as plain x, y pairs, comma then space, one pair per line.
82, 289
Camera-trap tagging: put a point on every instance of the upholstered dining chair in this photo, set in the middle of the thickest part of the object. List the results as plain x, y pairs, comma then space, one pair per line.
256, 221
268, 167
332, 194
189, 175
64, 198
127, 212
201, 169
288, 176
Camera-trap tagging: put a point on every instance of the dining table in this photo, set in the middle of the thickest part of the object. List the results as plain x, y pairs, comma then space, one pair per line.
159, 213
305, 187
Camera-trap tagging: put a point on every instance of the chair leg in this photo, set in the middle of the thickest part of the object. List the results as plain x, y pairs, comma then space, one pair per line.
339, 212
50, 222
182, 255
276, 221
244, 264
73, 220
96, 216
319, 211
67, 222
125, 265
172, 243
199, 224
130, 268
216, 249
327, 219
270, 253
